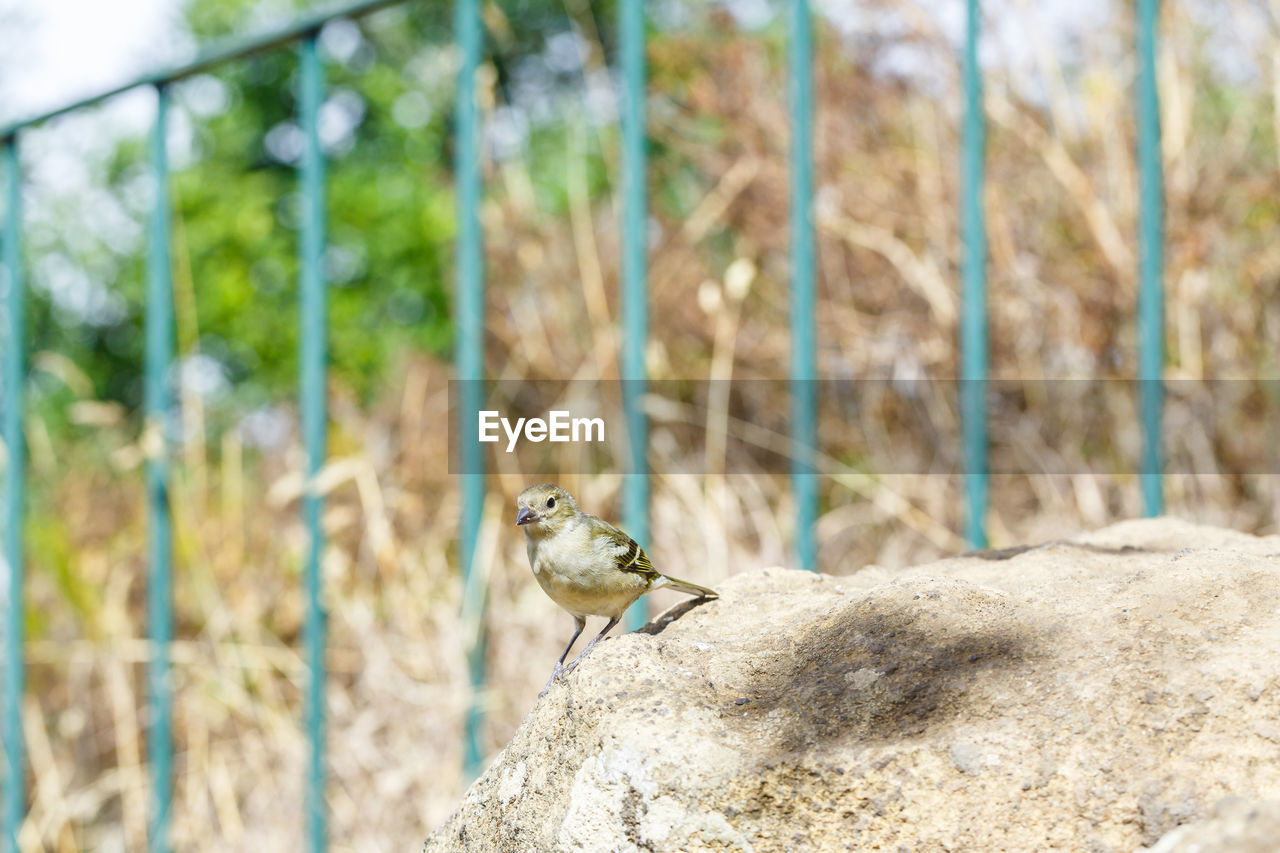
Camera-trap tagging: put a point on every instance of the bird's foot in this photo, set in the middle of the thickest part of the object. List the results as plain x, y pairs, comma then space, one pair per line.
555, 673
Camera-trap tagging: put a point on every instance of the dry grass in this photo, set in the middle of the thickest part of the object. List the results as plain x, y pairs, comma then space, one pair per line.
1061, 209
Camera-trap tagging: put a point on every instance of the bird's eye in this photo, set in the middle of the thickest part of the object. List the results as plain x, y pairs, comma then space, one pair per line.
551, 502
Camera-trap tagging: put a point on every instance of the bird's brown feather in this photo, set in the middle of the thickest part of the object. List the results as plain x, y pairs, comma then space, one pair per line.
630, 556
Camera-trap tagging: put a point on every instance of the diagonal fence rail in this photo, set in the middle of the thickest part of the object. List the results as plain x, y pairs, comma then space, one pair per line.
469, 320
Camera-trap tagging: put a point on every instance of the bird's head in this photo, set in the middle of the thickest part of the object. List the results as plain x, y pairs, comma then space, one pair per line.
544, 509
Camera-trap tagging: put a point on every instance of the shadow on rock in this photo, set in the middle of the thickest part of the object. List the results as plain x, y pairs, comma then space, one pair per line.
885, 669
659, 623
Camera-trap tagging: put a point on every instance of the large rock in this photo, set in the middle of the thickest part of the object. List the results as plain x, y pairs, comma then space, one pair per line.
1086, 695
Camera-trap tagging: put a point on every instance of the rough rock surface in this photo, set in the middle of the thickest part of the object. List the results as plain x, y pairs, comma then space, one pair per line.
1094, 695
1236, 826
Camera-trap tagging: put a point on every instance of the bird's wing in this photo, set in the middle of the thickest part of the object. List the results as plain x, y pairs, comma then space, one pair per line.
626, 553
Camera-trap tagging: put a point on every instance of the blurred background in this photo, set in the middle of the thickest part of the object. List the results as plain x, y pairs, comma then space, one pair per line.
1061, 204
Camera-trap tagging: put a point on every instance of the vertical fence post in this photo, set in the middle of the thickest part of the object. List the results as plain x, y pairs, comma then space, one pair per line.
469, 361
804, 424
635, 284
314, 404
1150, 261
159, 402
15, 789
973, 330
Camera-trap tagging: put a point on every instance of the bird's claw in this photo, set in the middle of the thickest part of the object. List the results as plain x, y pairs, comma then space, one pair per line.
555, 673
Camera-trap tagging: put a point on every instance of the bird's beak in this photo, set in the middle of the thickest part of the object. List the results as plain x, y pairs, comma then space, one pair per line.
525, 515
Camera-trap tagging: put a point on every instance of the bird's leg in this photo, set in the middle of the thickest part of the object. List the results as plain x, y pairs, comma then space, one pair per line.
614, 621
579, 622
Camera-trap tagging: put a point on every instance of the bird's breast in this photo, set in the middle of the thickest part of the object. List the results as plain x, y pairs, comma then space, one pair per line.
581, 581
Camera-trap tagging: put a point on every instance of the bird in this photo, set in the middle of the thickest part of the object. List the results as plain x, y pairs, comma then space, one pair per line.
586, 565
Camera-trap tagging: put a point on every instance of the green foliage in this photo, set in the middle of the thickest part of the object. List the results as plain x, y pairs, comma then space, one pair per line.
387, 126
51, 544
389, 209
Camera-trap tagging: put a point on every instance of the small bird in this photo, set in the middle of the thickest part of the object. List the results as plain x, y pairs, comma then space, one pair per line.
586, 565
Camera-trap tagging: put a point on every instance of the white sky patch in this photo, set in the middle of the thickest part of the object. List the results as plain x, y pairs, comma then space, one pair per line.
203, 376
75, 48
266, 428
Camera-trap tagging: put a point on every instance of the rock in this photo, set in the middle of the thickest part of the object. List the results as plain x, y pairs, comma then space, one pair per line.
1236, 826
1096, 694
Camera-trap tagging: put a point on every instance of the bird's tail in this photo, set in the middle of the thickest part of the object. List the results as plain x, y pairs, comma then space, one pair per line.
690, 588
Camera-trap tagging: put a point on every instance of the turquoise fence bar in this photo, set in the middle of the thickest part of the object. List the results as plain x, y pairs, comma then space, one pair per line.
635, 283
15, 769
973, 318
1150, 261
469, 361
159, 403
314, 405
804, 400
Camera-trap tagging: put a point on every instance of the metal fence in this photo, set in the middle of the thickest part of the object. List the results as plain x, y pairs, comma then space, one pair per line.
470, 321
